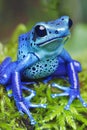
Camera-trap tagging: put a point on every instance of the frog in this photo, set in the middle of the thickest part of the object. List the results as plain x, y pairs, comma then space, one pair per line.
41, 55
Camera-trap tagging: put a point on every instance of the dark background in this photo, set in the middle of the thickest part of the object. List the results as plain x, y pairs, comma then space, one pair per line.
14, 12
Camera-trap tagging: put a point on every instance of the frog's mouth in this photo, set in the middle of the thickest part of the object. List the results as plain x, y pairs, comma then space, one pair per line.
55, 40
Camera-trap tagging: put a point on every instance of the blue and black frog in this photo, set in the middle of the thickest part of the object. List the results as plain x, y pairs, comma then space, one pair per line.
41, 55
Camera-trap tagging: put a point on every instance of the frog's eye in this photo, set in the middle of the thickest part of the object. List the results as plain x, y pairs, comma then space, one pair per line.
40, 31
70, 23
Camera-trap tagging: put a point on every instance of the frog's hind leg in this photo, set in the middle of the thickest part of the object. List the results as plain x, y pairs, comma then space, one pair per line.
28, 98
62, 71
23, 103
73, 91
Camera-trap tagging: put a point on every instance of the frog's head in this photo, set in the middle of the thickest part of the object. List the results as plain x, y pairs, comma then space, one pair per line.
50, 36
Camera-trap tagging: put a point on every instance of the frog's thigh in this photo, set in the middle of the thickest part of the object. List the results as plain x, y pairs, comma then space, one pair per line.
62, 68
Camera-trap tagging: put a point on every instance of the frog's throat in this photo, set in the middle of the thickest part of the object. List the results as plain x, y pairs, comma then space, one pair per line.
53, 40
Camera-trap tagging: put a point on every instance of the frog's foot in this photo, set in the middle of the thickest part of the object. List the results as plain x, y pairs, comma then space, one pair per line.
25, 105
28, 98
23, 108
72, 93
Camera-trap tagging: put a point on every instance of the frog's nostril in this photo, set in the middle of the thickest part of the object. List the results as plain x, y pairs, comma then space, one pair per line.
70, 23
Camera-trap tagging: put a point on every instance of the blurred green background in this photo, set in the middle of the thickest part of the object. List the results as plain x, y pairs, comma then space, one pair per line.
28, 12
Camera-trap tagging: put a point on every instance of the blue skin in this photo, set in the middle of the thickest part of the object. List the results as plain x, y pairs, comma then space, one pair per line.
41, 55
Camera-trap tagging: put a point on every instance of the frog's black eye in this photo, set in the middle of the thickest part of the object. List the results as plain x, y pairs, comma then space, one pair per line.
70, 23
40, 30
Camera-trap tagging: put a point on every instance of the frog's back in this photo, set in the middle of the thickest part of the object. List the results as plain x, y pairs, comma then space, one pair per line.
24, 47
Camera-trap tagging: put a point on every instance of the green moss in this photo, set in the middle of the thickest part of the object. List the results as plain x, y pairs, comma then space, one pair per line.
54, 117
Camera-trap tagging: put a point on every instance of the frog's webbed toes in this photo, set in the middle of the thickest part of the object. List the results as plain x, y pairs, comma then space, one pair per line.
71, 92
23, 108
65, 93
54, 85
24, 105
28, 98
72, 97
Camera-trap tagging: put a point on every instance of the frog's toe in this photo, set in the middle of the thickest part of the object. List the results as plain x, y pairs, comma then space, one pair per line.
53, 95
38, 105
23, 108
60, 94
33, 122
84, 104
54, 85
82, 101
21, 112
67, 107
43, 105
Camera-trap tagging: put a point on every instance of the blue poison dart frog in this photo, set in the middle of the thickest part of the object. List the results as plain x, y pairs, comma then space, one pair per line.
41, 55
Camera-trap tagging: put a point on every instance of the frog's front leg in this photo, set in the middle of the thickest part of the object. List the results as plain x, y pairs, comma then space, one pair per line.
23, 103
71, 70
